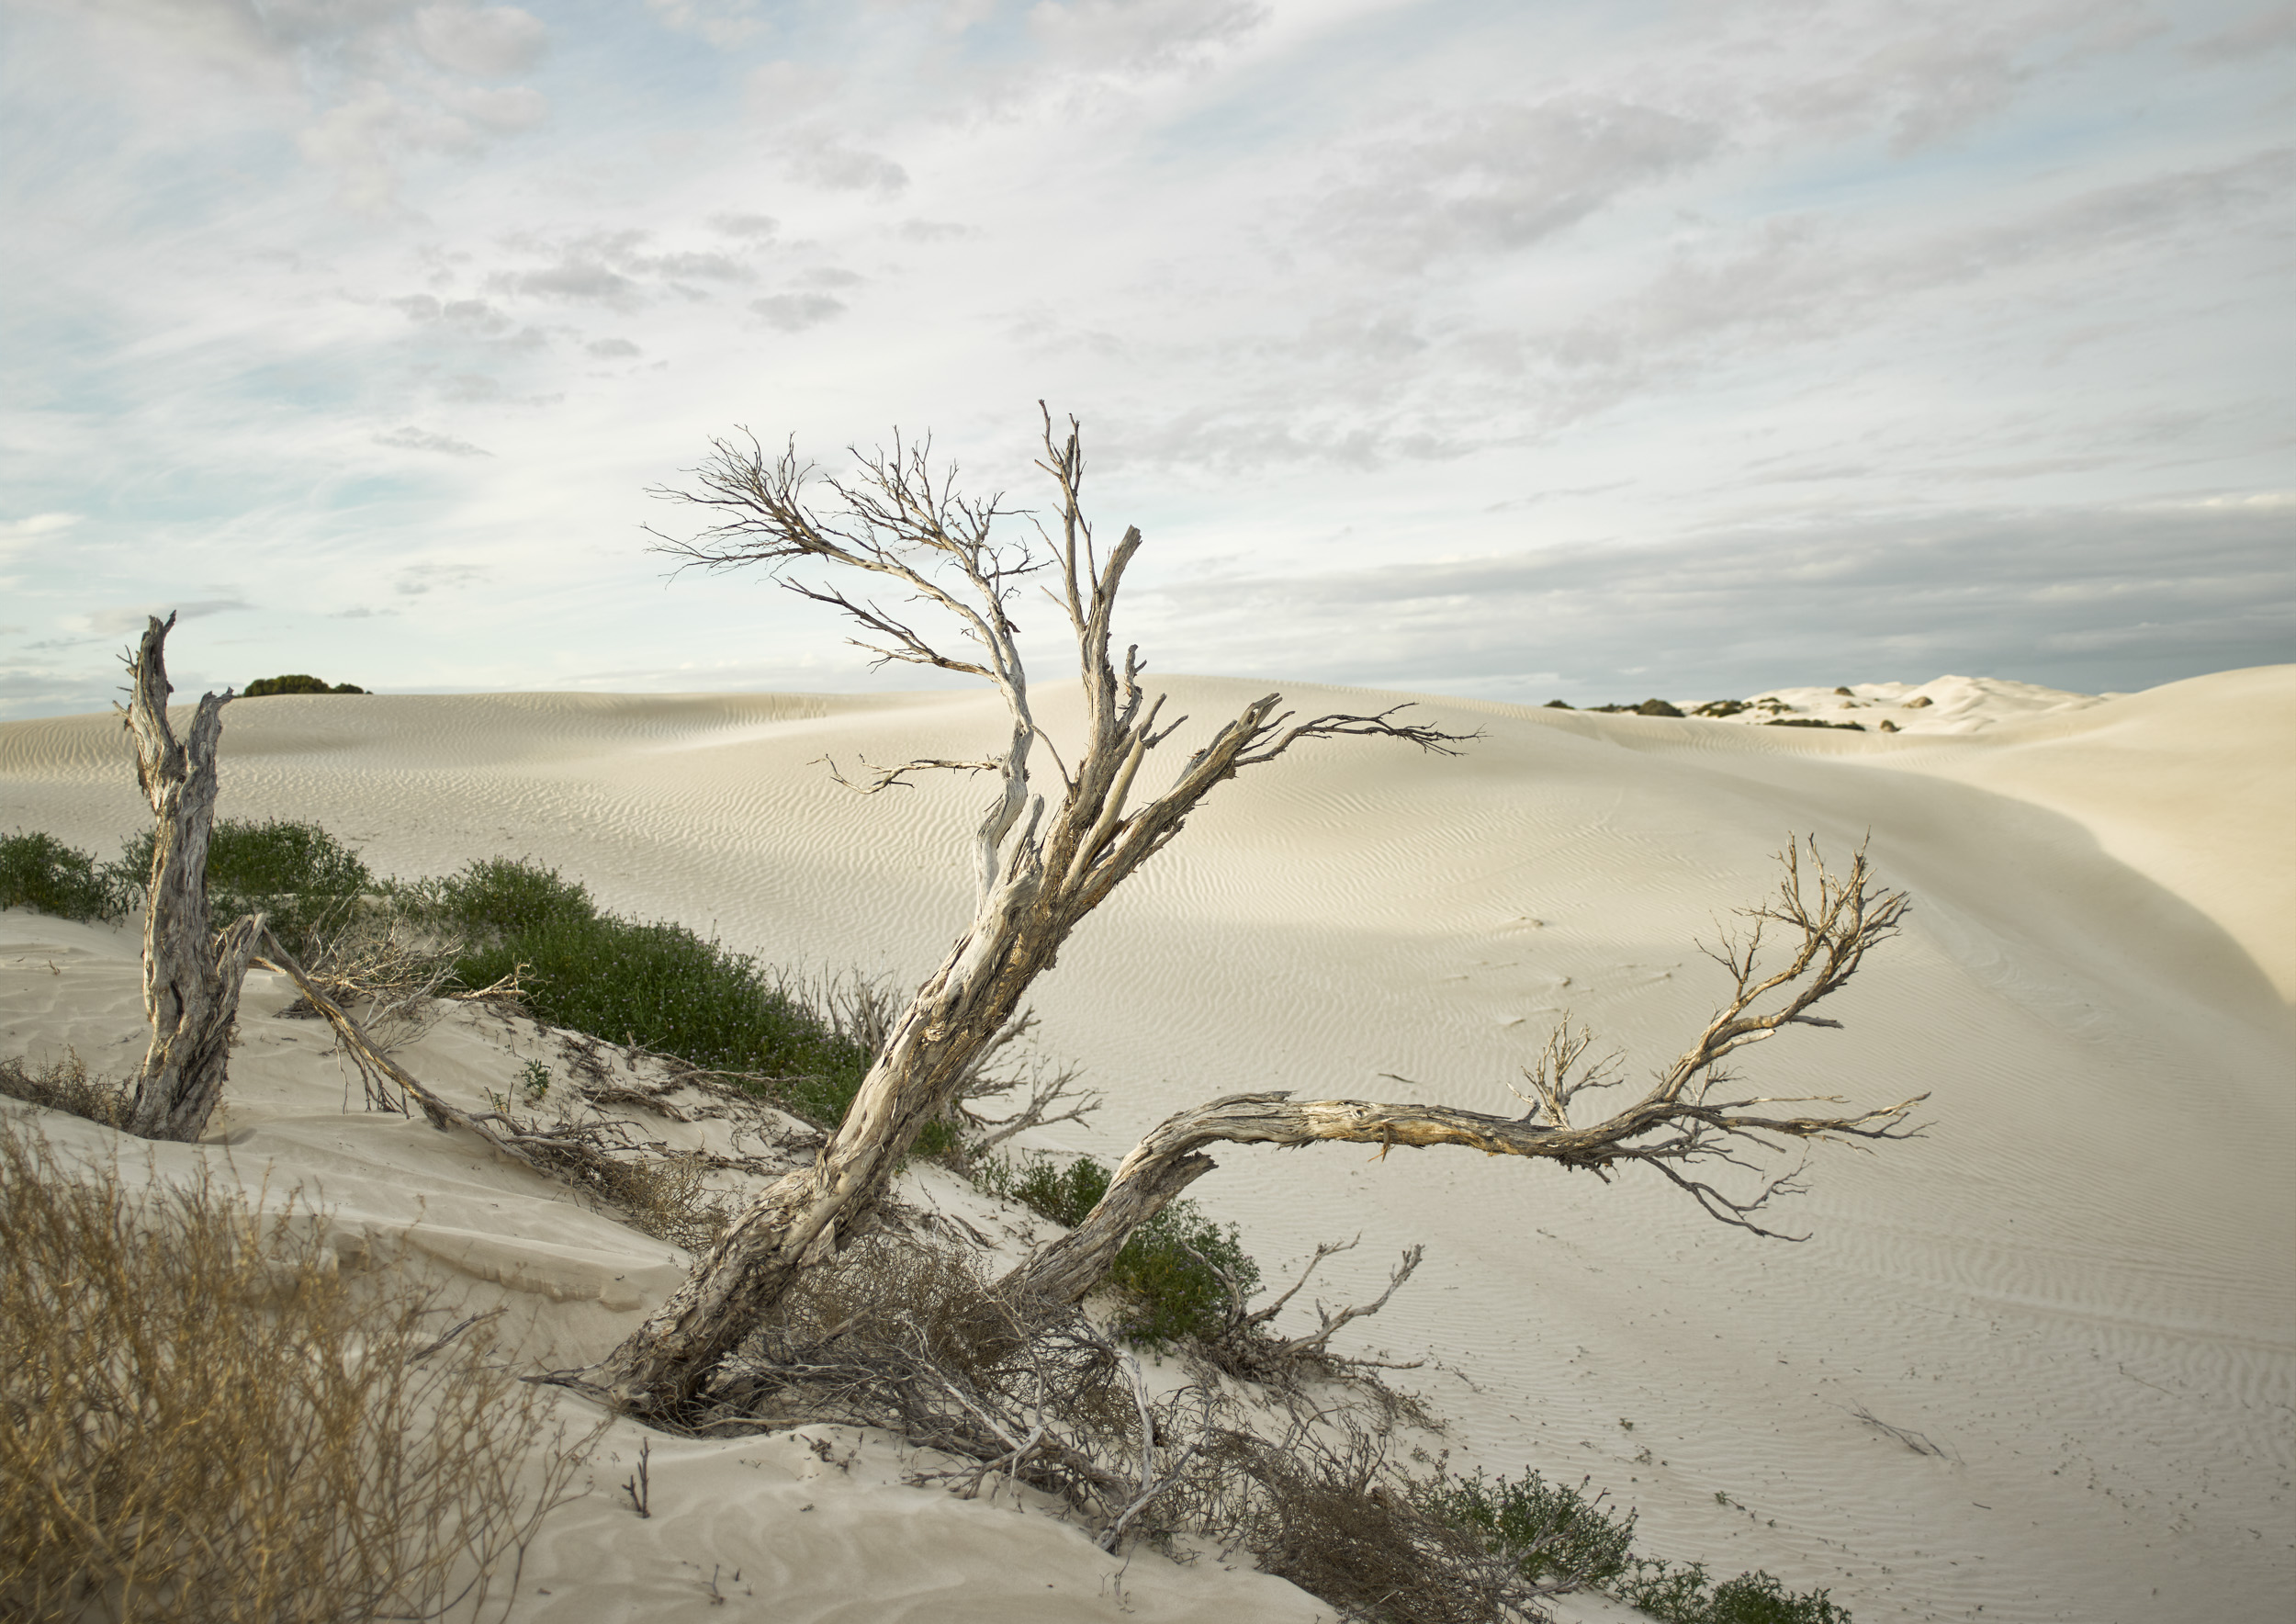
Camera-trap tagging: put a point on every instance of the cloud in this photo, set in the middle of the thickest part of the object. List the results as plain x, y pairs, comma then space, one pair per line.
413, 439
1141, 37
505, 110
1501, 176
34, 529
604, 267
932, 231
490, 42
612, 349
724, 23
121, 622
834, 167
793, 312
418, 580
572, 278
2087, 599
745, 225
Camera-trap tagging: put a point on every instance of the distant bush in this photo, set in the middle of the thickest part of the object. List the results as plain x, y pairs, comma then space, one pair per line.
38, 871
1170, 1269
295, 683
1813, 722
1656, 707
659, 984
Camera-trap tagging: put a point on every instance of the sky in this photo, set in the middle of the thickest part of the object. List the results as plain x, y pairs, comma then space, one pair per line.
1516, 350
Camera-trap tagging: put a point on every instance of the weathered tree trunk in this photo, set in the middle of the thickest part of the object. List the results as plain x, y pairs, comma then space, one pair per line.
192, 976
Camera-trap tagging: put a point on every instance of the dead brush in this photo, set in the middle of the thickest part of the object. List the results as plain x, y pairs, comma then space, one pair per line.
1325, 1506
397, 969
909, 1337
902, 1335
202, 1419
64, 1085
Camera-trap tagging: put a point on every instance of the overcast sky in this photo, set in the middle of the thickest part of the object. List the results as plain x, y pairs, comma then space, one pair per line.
1515, 349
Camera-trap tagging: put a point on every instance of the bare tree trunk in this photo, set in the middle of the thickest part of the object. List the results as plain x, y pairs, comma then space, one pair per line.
192, 976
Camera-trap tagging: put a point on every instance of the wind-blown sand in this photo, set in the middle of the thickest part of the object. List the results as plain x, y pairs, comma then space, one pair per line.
2079, 1285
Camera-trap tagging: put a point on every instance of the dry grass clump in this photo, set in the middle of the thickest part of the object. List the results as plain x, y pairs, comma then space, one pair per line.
202, 1419
64, 1085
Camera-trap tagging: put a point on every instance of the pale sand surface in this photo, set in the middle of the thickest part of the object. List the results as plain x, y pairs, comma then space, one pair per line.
2079, 1285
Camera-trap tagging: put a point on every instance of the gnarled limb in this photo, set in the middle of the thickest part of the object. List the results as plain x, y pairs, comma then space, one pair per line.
192, 974
1678, 1125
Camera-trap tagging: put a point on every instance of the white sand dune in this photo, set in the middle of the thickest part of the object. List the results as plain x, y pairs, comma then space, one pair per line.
2079, 1286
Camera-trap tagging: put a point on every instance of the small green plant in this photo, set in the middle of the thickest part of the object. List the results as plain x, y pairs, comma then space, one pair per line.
38, 871
1551, 1529
535, 1079
1626, 1424
1685, 1595
1170, 1270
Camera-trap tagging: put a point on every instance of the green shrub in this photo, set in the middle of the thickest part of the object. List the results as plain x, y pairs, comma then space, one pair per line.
659, 984
294, 682
1685, 1595
1550, 1529
1169, 1270
1556, 1531
38, 871
300, 876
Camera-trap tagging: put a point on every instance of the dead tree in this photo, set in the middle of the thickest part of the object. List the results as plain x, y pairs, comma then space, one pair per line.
1038, 870
1685, 1120
192, 974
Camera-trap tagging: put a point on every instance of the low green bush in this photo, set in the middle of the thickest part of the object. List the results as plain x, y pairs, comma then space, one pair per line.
1551, 1528
1169, 1270
1557, 1531
658, 984
38, 871
305, 879
1685, 1595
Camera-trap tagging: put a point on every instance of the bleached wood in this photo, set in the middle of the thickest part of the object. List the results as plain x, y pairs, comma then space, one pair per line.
192, 974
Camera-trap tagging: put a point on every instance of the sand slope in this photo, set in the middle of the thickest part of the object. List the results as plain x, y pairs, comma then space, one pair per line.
2079, 1285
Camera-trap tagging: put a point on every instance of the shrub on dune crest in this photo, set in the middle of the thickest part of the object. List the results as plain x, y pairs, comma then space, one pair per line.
201, 1418
294, 682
